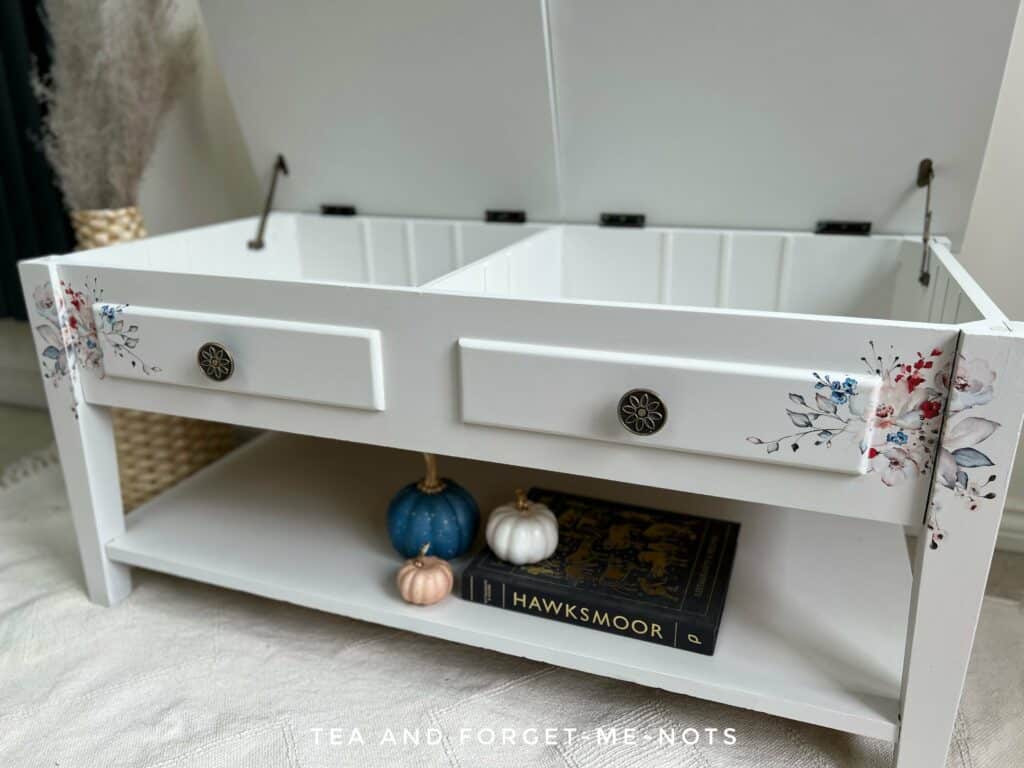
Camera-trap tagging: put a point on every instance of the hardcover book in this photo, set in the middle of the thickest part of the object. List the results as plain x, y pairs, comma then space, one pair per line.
641, 573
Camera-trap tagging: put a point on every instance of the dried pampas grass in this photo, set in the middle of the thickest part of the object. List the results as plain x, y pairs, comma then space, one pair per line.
117, 67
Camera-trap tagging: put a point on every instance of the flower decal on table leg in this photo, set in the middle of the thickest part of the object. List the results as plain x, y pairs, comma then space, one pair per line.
71, 335
963, 470
903, 423
54, 355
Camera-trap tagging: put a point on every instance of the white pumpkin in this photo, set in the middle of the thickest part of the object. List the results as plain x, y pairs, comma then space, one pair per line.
522, 531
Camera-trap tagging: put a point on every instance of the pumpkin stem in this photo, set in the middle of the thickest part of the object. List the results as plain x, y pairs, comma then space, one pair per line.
522, 503
431, 483
423, 550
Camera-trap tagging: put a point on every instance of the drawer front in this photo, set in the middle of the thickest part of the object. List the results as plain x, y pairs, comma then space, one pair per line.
732, 409
309, 362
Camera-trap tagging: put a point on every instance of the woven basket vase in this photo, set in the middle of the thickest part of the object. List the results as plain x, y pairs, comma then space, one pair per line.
154, 451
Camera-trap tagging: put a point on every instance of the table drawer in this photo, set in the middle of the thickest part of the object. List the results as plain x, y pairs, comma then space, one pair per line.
310, 362
706, 406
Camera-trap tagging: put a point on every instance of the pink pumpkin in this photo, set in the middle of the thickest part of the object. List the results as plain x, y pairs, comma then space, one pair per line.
425, 580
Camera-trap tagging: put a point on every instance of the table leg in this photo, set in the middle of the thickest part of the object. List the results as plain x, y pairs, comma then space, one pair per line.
84, 435
956, 540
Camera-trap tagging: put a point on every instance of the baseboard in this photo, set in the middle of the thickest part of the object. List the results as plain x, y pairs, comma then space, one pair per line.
1011, 532
21, 388
20, 382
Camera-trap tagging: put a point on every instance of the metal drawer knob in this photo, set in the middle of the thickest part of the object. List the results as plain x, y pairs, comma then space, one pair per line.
642, 412
215, 361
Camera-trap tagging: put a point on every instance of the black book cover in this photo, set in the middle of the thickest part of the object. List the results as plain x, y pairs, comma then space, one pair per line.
642, 573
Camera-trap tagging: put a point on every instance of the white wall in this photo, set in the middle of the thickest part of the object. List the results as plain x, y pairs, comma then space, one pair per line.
993, 249
200, 172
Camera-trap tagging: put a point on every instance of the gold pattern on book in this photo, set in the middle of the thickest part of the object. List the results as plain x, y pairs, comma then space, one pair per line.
641, 556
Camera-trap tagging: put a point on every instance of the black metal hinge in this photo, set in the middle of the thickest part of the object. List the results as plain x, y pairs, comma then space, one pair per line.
834, 227
634, 220
332, 209
505, 217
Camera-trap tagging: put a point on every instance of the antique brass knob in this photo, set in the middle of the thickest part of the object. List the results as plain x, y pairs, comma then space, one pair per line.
642, 412
215, 361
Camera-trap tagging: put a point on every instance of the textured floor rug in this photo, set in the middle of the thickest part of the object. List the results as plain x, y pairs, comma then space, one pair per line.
181, 674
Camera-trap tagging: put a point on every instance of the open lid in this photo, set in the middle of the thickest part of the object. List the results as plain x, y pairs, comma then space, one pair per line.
730, 113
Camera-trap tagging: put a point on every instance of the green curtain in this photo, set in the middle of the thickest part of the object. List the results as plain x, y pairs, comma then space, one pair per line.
33, 221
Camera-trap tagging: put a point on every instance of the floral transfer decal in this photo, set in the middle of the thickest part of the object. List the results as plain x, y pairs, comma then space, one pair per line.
71, 334
903, 426
962, 470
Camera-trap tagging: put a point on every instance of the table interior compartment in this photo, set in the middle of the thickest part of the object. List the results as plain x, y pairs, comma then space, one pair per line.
798, 273
352, 250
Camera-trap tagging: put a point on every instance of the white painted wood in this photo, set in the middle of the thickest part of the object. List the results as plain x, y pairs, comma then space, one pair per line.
611, 264
228, 526
938, 304
951, 306
843, 276
313, 248
314, 362
665, 268
910, 299
431, 252
724, 270
979, 305
420, 330
572, 391
785, 276
478, 240
431, 110
695, 113
847, 276
511, 269
766, 271
696, 264
84, 436
767, 115
955, 545
390, 263
754, 271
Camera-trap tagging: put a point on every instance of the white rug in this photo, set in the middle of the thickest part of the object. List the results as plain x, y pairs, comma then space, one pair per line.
181, 674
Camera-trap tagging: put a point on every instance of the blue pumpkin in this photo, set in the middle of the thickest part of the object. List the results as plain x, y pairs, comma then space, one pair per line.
437, 512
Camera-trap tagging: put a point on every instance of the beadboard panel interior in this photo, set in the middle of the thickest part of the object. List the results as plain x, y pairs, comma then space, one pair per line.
764, 271
789, 272
323, 249
949, 295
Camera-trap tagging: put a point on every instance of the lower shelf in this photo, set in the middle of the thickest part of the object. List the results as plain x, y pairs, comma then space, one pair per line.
814, 623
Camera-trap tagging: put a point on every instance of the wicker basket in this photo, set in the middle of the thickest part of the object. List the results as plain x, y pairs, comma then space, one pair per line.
106, 226
154, 451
